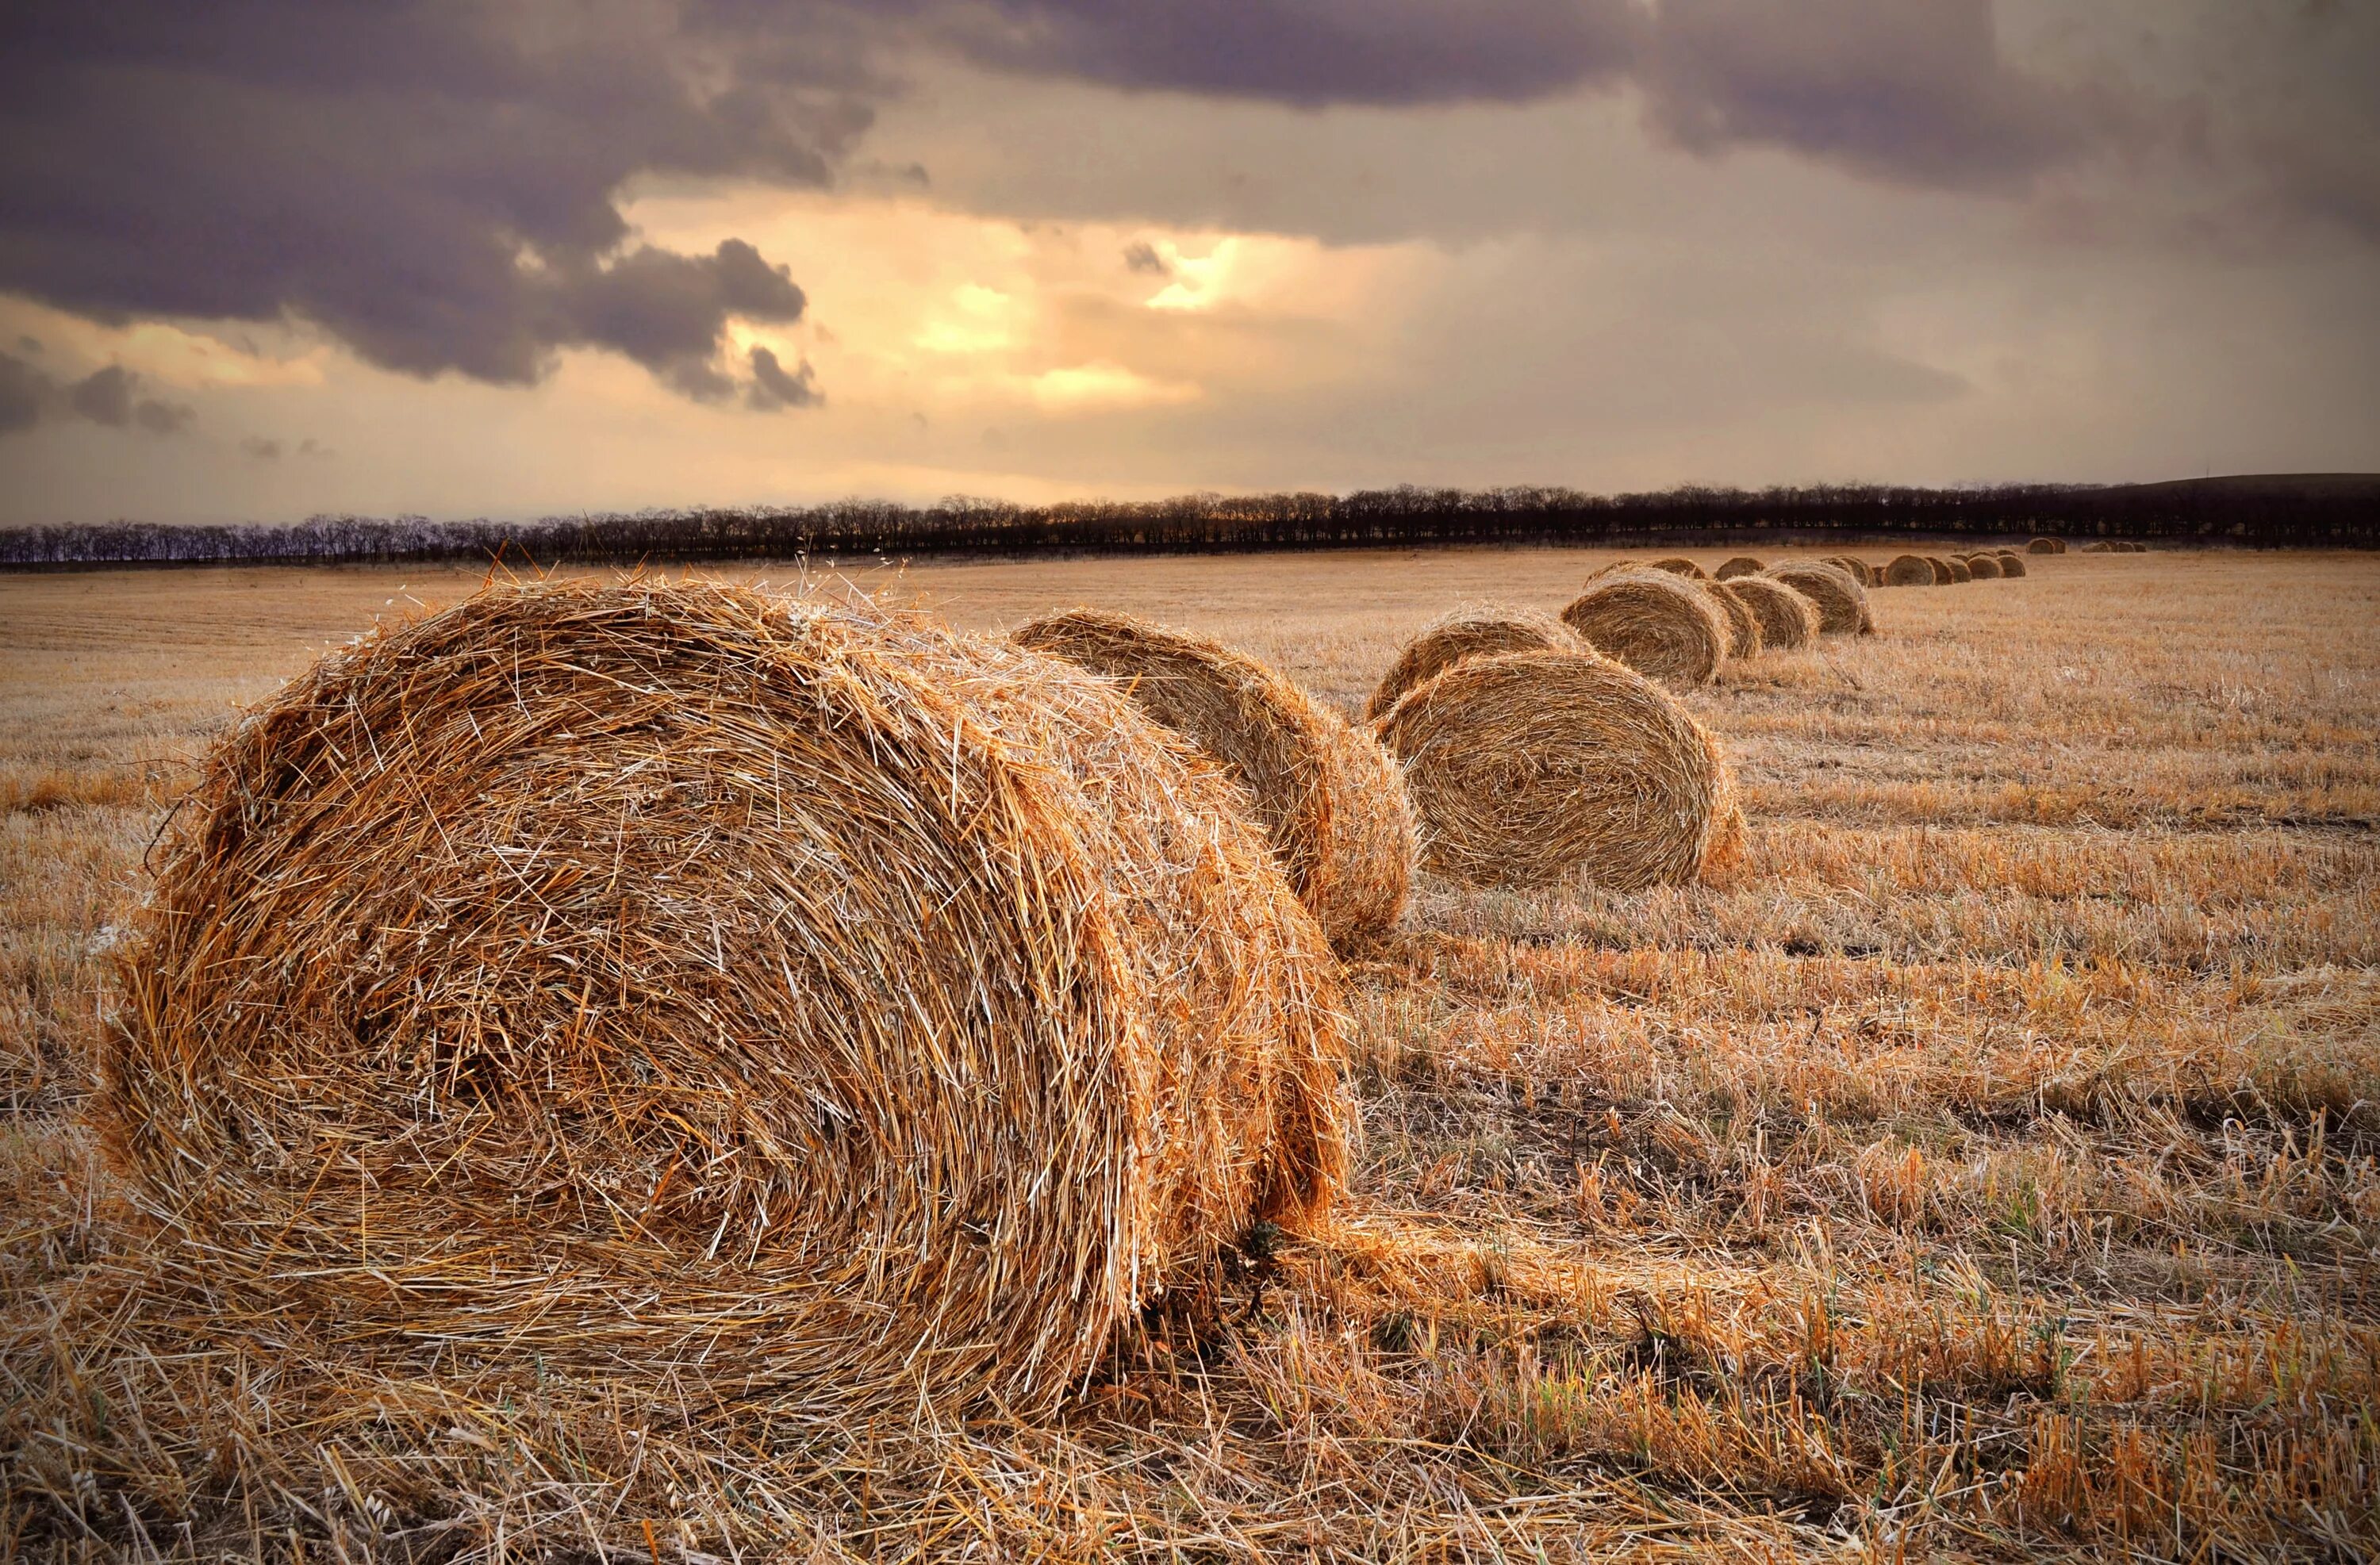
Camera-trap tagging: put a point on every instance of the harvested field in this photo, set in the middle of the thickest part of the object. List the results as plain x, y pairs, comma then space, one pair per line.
1985, 1167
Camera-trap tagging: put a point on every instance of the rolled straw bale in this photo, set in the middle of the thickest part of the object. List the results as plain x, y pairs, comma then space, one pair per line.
2098, 546
1743, 624
1741, 564
1789, 620
1678, 564
2045, 546
2010, 561
1657, 623
1475, 631
1983, 567
1842, 602
1534, 765
1954, 568
1910, 570
675, 987
1326, 793
1855, 569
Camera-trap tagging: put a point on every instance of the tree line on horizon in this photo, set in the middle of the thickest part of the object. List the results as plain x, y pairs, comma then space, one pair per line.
2224, 512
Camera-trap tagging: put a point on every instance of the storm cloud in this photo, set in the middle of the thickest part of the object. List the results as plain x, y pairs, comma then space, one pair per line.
110, 397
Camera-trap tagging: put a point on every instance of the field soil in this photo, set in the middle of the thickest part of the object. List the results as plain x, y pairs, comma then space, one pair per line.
1985, 1166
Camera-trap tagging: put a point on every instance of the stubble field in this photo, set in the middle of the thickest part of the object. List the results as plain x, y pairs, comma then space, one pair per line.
1988, 1165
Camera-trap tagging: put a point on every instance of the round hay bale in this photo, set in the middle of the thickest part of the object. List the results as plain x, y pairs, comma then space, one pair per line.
1910, 570
1743, 624
1661, 626
1678, 564
1531, 766
1842, 602
1474, 631
1326, 793
1983, 567
1741, 564
2011, 563
1953, 569
2098, 546
1855, 569
2045, 546
1788, 619
680, 988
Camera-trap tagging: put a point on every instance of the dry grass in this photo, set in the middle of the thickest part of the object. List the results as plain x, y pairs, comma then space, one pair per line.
1326, 793
1986, 1169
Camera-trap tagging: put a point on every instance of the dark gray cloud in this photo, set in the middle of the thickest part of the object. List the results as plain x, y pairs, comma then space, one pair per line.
110, 398
1919, 94
1311, 52
436, 184
260, 448
1141, 256
772, 388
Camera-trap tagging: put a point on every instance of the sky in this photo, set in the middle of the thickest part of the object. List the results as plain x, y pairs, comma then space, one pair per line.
263, 259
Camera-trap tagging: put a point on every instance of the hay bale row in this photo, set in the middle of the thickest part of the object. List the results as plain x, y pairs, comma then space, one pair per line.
627, 978
2045, 546
1324, 791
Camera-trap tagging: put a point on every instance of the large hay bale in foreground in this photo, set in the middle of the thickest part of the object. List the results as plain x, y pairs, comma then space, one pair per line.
2010, 563
682, 989
1663, 626
2045, 546
1741, 564
1678, 564
1842, 602
1534, 765
1789, 620
1475, 631
1983, 567
1910, 570
1326, 793
1743, 624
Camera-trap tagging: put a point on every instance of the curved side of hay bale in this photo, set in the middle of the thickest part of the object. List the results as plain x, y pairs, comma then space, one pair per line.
1910, 570
1983, 567
1535, 765
670, 973
2011, 564
2045, 546
1842, 602
1326, 793
1789, 620
1788, 617
1475, 631
1740, 564
2098, 546
1854, 568
1954, 569
1662, 626
1678, 564
1743, 624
